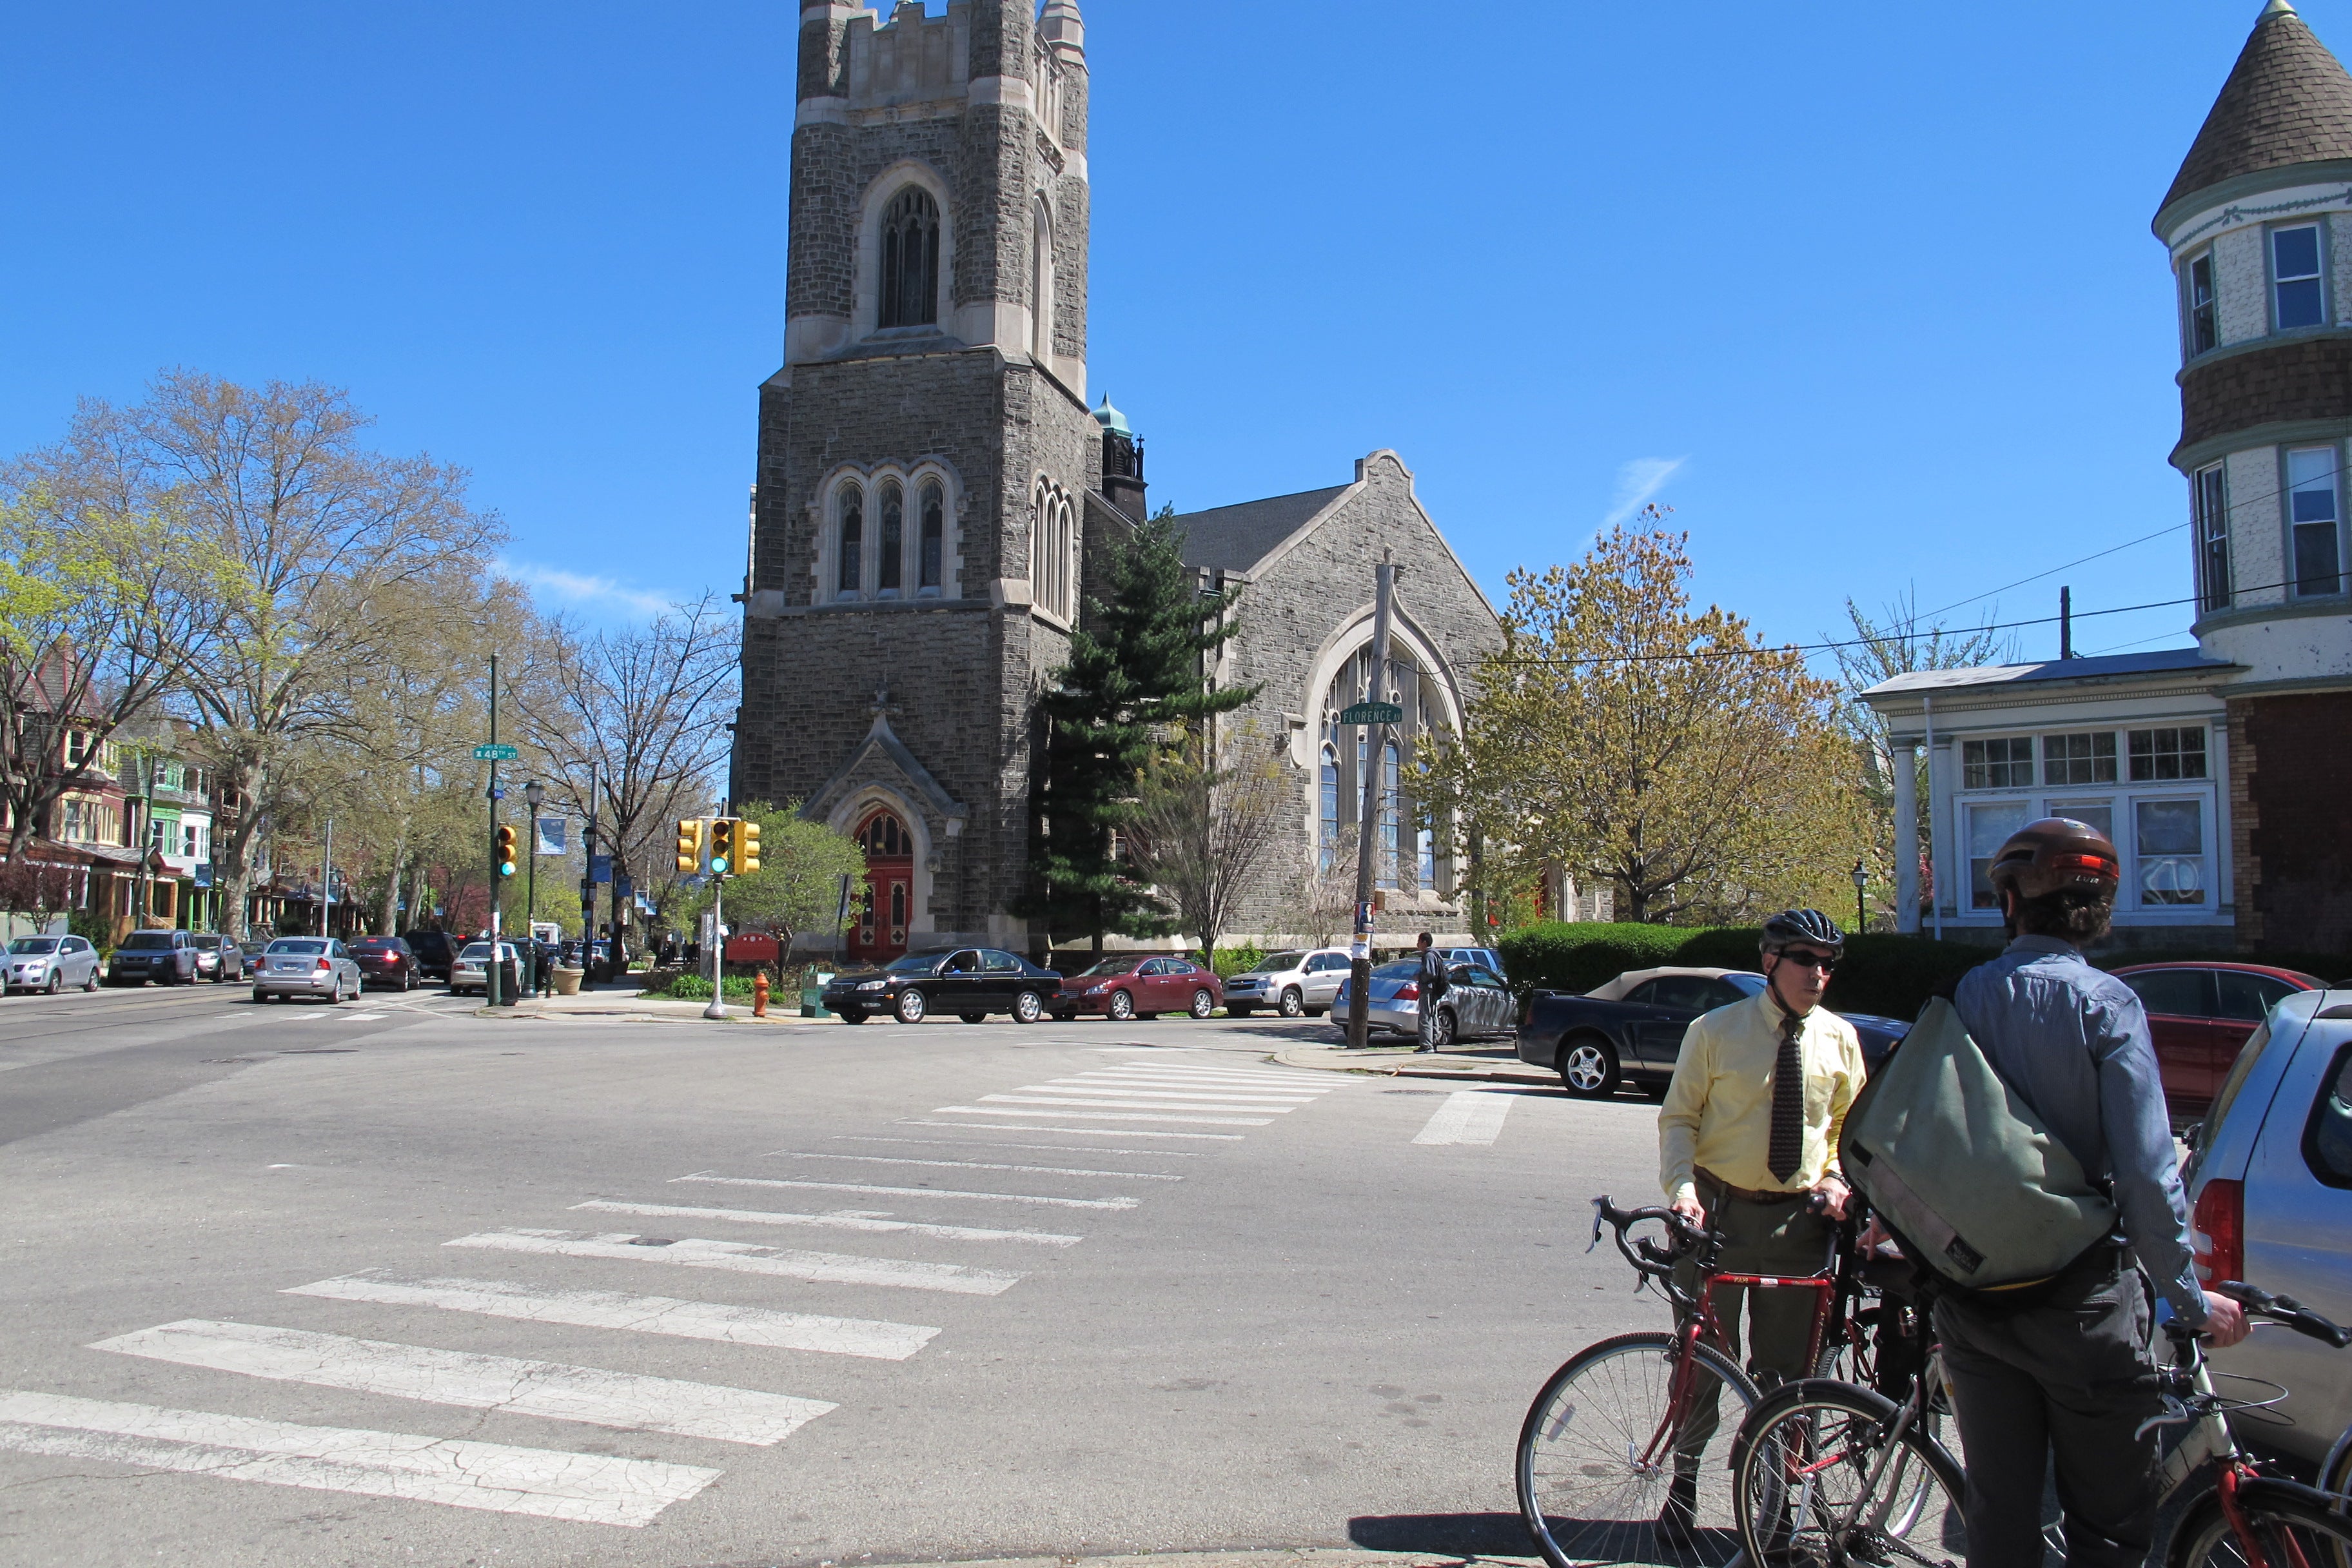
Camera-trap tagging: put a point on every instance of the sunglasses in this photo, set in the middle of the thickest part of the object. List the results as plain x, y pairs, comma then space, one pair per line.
1803, 960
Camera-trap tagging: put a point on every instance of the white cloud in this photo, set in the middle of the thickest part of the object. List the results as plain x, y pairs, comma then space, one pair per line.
1637, 482
588, 593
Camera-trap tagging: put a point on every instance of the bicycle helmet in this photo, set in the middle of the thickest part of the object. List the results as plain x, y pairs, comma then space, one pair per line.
1809, 926
2055, 854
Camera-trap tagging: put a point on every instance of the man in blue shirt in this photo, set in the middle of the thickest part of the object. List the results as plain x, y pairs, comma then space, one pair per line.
2067, 1371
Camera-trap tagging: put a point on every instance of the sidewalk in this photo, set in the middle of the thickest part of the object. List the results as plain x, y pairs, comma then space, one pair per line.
1457, 1541
1477, 1064
622, 1004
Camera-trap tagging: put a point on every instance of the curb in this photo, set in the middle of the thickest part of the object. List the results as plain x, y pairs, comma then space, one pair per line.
1265, 1557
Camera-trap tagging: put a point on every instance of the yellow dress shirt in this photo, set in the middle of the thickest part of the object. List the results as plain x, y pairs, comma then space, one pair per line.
1718, 1110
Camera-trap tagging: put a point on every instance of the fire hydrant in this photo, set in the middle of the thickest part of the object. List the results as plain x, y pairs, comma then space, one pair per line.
760, 995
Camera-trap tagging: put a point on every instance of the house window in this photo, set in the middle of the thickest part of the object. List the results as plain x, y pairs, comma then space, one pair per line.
2203, 330
910, 260
77, 748
2169, 836
2295, 278
1328, 812
2212, 524
851, 553
894, 531
2314, 513
73, 825
2004, 762
2098, 814
1990, 826
192, 843
2168, 754
935, 507
2079, 759
1427, 845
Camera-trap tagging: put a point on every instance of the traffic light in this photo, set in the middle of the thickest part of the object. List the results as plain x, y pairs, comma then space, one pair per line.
689, 846
502, 847
747, 847
722, 847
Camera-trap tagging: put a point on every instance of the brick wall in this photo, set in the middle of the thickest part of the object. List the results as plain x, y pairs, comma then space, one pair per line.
2245, 870
2298, 853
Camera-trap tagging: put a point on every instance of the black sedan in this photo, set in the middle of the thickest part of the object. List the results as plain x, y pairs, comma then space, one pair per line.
969, 982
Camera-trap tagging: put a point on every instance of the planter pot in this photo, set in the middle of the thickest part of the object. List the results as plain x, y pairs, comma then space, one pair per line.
567, 981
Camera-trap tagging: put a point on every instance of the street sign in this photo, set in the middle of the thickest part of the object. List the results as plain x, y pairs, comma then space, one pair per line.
1371, 713
498, 753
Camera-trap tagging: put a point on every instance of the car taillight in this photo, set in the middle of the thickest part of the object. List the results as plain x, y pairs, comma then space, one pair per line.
1409, 992
320, 964
2218, 1231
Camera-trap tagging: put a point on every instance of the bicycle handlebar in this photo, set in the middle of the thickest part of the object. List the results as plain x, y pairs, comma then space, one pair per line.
1646, 1255
2285, 1310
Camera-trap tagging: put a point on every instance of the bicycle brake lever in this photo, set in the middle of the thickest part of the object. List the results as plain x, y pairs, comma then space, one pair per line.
2176, 1415
1596, 1224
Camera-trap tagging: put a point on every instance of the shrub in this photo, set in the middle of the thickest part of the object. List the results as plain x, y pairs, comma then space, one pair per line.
697, 988
1232, 961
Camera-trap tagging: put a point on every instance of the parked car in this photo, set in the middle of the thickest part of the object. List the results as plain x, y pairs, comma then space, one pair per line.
968, 982
1475, 1003
1140, 985
2200, 1015
1294, 982
2270, 1187
1630, 1029
470, 972
306, 966
386, 960
433, 952
219, 959
49, 963
166, 957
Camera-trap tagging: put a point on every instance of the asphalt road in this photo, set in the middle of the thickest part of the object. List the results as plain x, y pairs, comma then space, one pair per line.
301, 1285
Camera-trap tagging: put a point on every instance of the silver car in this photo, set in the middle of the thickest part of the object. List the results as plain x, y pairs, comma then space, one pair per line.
49, 963
219, 959
471, 970
1475, 1003
305, 967
1298, 981
2270, 1186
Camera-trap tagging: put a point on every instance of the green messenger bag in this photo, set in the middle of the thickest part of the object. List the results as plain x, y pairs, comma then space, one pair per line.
1962, 1170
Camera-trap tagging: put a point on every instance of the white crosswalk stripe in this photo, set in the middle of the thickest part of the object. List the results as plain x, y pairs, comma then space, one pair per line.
974, 1165
1105, 1103
813, 1268
871, 1338
1089, 1131
1154, 1092
1093, 1115
875, 1224
592, 1488
1468, 1116
546, 1388
1098, 1150
717, 1180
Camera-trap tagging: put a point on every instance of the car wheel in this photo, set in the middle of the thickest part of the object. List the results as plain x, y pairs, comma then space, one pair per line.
974, 1017
1028, 1007
850, 1015
335, 993
91, 984
259, 995
1202, 1003
56, 983
1122, 1006
1588, 1067
1233, 1012
1443, 1029
1293, 1004
910, 1006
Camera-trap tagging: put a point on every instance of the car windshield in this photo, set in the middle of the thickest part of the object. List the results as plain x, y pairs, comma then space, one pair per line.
33, 944
1276, 962
1111, 967
206, 942
912, 963
138, 940
475, 952
305, 948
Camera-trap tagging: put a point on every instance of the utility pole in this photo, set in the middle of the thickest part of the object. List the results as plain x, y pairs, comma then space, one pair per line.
588, 886
490, 970
1360, 954
2065, 623
327, 882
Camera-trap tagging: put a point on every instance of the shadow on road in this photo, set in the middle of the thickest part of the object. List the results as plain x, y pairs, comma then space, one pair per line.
1445, 1534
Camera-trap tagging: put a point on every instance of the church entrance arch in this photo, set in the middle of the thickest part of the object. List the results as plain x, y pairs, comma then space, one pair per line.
880, 933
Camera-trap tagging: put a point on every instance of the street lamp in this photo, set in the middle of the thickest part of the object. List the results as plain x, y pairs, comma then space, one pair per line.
1861, 881
533, 793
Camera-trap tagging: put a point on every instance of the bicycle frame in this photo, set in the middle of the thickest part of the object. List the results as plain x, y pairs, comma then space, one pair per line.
2209, 1437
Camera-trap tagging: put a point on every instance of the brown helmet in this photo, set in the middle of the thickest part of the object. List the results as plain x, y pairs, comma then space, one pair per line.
2054, 854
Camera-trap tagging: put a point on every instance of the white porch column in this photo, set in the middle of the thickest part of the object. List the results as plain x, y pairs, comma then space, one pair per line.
1905, 760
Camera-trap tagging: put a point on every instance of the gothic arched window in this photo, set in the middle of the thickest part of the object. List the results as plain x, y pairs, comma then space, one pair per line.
1392, 803
894, 534
1053, 553
934, 512
1327, 812
852, 541
910, 260
1041, 285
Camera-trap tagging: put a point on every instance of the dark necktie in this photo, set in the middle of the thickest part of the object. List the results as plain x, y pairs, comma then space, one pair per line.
1788, 1148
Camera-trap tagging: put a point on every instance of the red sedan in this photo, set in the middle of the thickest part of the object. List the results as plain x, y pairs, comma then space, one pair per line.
1136, 985
2200, 1013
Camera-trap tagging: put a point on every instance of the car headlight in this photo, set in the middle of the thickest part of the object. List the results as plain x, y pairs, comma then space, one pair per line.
873, 985
1098, 990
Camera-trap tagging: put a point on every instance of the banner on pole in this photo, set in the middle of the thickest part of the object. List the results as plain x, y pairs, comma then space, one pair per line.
600, 868
553, 833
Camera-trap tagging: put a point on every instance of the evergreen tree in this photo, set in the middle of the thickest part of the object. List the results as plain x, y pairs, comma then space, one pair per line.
1136, 682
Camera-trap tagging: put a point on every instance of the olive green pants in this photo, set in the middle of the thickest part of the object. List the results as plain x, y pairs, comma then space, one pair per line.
1758, 1238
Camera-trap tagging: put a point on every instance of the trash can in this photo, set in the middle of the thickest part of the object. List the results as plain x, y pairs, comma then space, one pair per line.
812, 997
508, 996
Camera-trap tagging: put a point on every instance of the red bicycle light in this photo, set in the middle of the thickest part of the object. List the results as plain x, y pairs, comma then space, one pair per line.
2217, 1230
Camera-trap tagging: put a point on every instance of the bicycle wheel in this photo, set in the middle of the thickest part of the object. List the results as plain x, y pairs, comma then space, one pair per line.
1614, 1436
2291, 1533
1815, 1486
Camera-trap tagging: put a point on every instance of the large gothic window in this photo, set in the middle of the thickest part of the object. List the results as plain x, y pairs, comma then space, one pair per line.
935, 509
1327, 809
910, 260
1041, 285
1403, 857
894, 532
1054, 551
850, 552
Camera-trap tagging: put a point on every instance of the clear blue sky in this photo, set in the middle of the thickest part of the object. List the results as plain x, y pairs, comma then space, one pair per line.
1865, 293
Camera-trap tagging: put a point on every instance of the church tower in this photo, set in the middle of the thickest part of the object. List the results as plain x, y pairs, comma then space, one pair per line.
925, 455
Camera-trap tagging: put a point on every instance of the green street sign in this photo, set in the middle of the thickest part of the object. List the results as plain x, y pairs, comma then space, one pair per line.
500, 754
1373, 713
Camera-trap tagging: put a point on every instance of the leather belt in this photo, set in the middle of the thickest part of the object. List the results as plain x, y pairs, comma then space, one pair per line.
1747, 1194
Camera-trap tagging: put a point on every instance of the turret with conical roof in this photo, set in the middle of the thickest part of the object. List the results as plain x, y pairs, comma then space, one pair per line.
2288, 101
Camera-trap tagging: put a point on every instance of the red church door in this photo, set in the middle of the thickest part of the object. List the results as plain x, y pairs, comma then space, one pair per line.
880, 933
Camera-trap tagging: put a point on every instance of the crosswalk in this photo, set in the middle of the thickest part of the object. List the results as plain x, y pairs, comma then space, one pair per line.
988, 1191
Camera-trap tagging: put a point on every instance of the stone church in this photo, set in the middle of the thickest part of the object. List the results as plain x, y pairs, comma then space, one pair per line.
935, 501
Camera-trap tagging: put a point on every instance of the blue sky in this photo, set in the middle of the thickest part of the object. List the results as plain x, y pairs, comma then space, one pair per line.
1867, 295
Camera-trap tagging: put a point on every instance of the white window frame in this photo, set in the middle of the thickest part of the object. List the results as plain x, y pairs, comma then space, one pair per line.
2135, 892
2209, 511
2334, 454
2319, 277
2189, 305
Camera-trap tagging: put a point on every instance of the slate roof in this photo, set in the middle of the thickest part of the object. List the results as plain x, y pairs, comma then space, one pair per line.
2287, 101
2162, 662
1240, 536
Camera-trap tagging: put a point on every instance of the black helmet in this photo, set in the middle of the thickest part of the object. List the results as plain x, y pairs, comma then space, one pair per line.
1809, 926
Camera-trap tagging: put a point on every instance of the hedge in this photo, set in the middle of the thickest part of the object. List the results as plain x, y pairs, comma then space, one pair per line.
692, 987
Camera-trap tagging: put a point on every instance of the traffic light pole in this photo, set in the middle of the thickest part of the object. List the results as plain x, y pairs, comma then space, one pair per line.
490, 970
718, 1008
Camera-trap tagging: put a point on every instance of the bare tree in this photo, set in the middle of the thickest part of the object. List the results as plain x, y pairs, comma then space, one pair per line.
1204, 822
1322, 907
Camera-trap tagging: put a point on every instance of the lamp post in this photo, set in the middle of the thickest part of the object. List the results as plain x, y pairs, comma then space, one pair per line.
1861, 881
533, 793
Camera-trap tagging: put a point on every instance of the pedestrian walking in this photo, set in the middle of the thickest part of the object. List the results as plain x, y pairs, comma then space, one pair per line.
2065, 1369
1435, 979
1747, 1140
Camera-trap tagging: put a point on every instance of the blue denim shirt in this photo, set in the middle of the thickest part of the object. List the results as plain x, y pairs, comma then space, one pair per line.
2072, 1041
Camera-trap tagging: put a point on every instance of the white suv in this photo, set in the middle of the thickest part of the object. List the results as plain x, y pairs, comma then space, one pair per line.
1295, 982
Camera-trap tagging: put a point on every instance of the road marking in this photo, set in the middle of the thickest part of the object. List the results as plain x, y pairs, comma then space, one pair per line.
552, 1389
1089, 1131
972, 1165
871, 1222
1193, 1085
1120, 1202
1318, 1084
361, 1018
1125, 1091
590, 1488
1468, 1116
762, 1326
1038, 1148
1104, 1103
1094, 1116
813, 1268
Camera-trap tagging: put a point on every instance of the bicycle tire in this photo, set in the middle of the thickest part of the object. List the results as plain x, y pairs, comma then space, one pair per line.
2320, 1537
1588, 1491
1804, 1491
